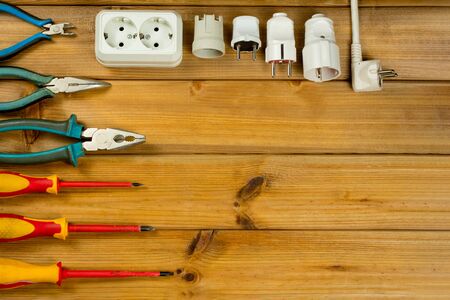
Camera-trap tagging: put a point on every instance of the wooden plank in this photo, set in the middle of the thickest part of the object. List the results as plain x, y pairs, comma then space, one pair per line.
245, 264
254, 117
234, 3
252, 191
412, 40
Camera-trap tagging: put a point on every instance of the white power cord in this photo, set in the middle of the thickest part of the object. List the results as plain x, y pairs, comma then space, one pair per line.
367, 75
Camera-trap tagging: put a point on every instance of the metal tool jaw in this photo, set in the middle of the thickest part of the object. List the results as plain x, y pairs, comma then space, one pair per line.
73, 84
59, 28
110, 139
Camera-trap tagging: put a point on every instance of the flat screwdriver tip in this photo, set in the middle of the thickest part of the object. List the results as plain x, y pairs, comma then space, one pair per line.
147, 228
166, 273
136, 184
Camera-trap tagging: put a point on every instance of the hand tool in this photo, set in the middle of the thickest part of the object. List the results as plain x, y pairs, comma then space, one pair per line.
49, 27
49, 86
90, 139
14, 184
15, 273
17, 228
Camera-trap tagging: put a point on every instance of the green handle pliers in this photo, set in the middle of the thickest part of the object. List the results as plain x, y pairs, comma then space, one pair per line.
48, 86
89, 139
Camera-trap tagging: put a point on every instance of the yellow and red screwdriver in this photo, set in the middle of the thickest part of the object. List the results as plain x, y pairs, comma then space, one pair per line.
17, 228
15, 273
14, 184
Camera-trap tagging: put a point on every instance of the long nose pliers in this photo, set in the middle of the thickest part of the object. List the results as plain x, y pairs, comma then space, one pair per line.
49, 27
89, 139
48, 86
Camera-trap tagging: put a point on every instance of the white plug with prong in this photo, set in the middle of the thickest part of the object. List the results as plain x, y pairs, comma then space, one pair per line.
367, 75
280, 42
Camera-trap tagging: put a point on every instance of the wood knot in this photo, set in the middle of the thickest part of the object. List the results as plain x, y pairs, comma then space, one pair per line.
200, 243
252, 189
189, 275
196, 87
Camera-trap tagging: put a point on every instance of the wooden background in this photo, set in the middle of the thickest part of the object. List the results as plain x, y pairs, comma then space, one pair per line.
259, 188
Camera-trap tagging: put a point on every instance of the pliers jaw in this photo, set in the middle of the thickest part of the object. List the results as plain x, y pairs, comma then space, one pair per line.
74, 84
109, 139
59, 28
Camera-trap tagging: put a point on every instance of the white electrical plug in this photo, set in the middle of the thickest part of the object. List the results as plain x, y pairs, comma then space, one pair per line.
280, 47
245, 36
367, 75
139, 38
320, 54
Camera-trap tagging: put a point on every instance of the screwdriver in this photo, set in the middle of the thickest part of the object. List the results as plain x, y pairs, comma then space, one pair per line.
14, 184
15, 273
17, 228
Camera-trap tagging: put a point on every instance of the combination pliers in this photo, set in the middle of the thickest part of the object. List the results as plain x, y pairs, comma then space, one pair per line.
49, 27
89, 139
48, 86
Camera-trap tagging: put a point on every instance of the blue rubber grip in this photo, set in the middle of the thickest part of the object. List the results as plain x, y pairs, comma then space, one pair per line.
21, 14
69, 153
15, 49
17, 12
26, 101
69, 128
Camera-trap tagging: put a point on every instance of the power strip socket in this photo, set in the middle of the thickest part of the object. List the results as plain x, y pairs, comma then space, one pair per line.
139, 38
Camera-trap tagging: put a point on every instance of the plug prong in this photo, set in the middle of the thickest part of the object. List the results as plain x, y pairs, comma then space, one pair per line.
254, 52
290, 68
238, 52
273, 69
387, 73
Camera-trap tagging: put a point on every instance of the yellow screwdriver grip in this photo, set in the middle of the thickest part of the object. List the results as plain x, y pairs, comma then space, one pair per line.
14, 273
16, 228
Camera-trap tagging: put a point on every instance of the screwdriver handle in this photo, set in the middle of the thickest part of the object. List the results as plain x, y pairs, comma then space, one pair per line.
14, 273
16, 228
14, 184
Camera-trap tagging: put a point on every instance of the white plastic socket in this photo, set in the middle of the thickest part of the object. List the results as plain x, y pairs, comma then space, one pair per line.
245, 35
139, 38
208, 37
321, 54
280, 47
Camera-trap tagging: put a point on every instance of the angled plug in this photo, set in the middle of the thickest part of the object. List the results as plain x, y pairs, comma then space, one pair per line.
280, 42
367, 75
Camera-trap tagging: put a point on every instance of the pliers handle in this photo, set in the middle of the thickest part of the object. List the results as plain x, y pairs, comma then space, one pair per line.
17, 12
38, 79
69, 128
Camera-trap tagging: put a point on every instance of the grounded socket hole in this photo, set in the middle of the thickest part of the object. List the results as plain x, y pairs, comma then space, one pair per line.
121, 28
156, 29
156, 45
120, 44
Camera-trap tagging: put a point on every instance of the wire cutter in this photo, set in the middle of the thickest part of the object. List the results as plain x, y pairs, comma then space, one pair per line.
48, 86
49, 27
89, 139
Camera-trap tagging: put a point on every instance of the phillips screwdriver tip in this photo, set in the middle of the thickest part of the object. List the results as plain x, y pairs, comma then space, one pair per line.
136, 184
147, 228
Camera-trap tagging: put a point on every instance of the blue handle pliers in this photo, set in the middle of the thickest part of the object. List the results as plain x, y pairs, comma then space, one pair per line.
89, 139
50, 29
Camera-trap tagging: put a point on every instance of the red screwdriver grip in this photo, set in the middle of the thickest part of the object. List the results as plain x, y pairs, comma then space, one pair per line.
14, 184
16, 228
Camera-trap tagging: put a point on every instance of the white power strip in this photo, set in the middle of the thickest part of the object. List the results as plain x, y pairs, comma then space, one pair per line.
139, 38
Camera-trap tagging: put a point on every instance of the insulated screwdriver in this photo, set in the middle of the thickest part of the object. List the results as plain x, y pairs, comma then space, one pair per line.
15, 273
14, 184
16, 228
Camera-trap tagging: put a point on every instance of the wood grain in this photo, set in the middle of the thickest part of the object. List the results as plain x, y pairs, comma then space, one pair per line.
389, 34
234, 3
252, 192
254, 117
248, 264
